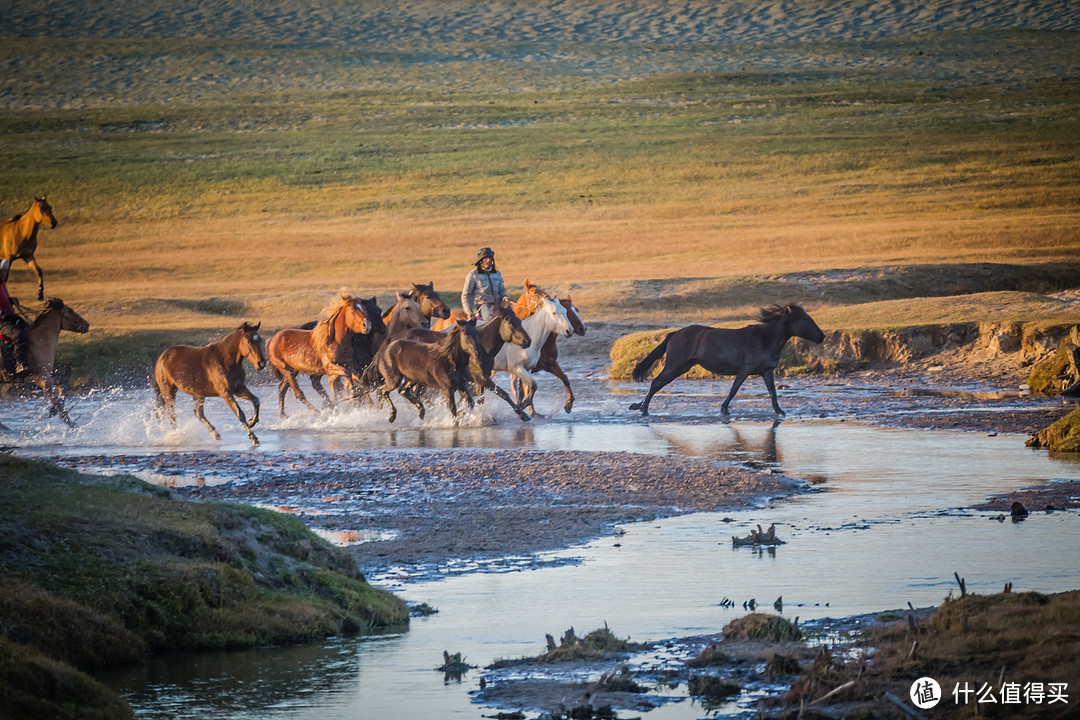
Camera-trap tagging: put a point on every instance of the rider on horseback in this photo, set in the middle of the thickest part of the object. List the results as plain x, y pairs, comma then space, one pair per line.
484, 288
12, 326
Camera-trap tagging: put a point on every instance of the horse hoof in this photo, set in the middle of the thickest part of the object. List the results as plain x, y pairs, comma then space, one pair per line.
635, 406
524, 417
567, 408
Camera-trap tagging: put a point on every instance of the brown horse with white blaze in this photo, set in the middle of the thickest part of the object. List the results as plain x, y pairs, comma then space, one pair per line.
18, 237
750, 350
214, 370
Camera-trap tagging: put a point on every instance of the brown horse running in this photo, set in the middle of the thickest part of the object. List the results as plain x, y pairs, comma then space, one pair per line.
751, 350
43, 334
18, 237
364, 345
214, 370
504, 328
410, 365
325, 350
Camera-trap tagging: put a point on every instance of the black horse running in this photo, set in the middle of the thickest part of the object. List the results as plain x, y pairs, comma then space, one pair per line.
751, 350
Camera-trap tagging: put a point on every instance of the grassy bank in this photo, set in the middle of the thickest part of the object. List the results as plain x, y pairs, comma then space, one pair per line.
97, 571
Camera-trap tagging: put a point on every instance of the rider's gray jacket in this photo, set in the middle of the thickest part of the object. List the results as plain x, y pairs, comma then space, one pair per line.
482, 289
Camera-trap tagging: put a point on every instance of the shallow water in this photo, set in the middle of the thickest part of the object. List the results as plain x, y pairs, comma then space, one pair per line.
886, 529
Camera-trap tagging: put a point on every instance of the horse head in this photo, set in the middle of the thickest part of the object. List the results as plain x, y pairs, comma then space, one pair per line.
573, 315
405, 314
510, 327
69, 319
374, 314
355, 318
41, 211
800, 324
559, 322
530, 300
430, 303
251, 345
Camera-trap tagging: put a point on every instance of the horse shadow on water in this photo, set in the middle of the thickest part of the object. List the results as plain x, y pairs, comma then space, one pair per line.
751, 350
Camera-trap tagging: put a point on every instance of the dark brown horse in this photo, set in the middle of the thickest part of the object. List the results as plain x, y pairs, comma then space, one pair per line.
214, 370
504, 328
410, 365
18, 237
751, 350
43, 335
325, 350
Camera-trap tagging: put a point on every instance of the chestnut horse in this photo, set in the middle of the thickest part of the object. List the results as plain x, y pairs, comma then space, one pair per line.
43, 335
410, 365
18, 237
363, 344
324, 350
504, 328
750, 350
214, 370
525, 306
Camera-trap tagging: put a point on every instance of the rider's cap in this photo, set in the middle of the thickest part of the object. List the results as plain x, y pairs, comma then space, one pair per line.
485, 252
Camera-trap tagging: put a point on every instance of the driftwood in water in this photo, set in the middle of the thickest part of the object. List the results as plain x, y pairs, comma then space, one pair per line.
758, 537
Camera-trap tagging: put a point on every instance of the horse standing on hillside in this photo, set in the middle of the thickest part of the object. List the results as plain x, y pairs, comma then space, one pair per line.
214, 370
18, 237
410, 365
325, 350
549, 319
505, 327
525, 306
43, 335
751, 350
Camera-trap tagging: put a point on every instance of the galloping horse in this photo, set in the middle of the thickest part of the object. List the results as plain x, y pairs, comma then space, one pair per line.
364, 345
18, 237
409, 365
325, 350
43, 334
518, 361
214, 370
504, 328
751, 350
525, 306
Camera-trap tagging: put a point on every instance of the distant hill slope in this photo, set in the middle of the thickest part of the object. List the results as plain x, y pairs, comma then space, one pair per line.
647, 21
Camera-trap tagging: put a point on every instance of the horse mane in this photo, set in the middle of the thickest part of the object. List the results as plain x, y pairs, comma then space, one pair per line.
776, 312
324, 329
50, 305
15, 217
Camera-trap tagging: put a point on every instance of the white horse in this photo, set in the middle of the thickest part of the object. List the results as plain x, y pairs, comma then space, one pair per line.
518, 361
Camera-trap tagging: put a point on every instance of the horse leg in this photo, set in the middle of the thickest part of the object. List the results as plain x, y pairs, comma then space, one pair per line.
53, 394
290, 378
316, 382
739, 379
40, 277
244, 392
555, 369
666, 376
503, 394
384, 394
528, 384
450, 403
202, 417
412, 394
767, 376
235, 407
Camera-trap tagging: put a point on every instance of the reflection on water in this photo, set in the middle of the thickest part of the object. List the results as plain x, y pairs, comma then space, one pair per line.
887, 530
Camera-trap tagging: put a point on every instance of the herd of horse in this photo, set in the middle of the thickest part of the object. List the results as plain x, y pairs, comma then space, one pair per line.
416, 347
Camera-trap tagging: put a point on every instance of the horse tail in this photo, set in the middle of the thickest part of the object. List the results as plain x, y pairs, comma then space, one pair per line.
643, 367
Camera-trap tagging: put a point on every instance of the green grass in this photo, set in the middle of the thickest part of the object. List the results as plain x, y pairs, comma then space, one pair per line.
98, 571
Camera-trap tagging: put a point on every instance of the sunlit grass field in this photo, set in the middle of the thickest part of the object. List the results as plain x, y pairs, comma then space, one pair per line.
200, 182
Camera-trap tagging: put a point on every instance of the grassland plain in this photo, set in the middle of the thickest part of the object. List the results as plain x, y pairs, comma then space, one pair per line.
216, 161
97, 571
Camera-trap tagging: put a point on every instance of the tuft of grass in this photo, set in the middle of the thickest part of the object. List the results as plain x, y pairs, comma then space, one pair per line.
597, 645
1062, 436
759, 626
1054, 373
